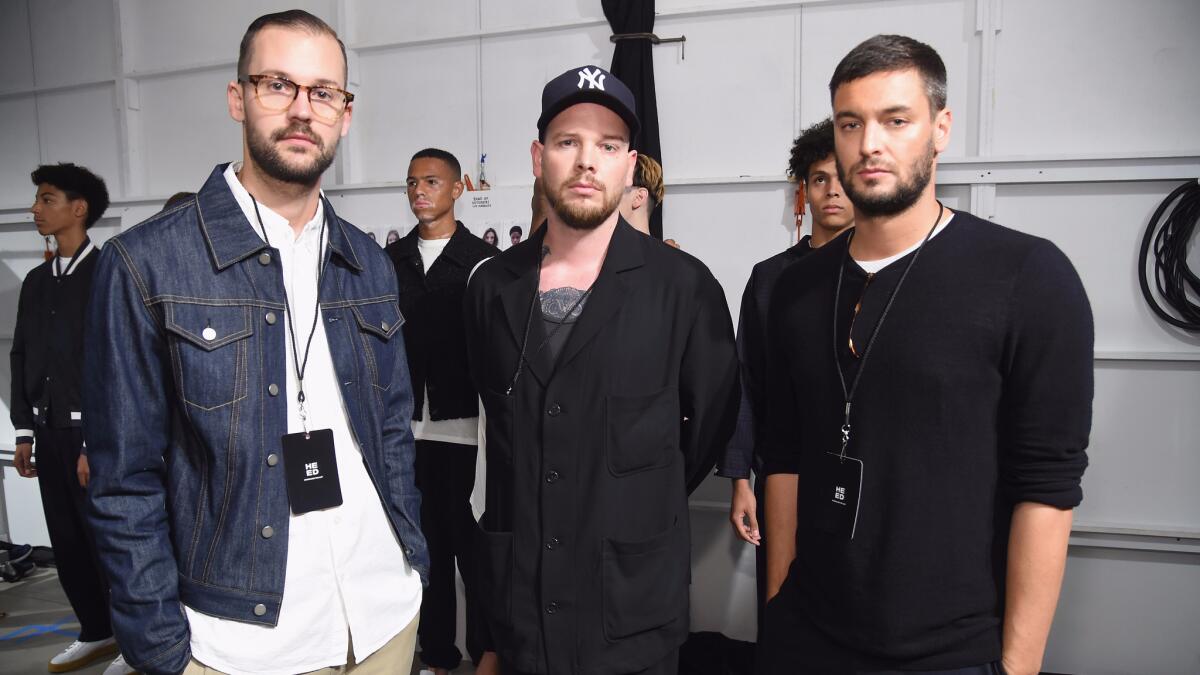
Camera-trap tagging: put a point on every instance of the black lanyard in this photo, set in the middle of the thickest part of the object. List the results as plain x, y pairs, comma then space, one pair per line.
837, 303
300, 365
71, 265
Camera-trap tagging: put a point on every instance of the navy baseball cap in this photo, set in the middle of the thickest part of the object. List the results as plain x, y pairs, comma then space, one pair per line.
588, 84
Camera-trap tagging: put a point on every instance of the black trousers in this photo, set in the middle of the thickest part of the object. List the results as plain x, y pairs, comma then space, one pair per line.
668, 666
445, 474
57, 453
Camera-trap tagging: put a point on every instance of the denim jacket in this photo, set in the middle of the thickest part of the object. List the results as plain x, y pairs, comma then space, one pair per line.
183, 424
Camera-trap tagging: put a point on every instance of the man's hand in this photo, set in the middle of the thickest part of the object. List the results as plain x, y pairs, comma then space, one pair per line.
23, 460
81, 469
742, 512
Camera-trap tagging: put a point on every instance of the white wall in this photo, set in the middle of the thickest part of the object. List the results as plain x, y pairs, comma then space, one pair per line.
1072, 120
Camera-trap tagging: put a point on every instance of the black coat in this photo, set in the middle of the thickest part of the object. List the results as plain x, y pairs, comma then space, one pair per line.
584, 547
431, 303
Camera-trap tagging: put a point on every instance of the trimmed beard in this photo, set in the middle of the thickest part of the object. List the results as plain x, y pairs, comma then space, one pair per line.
270, 160
905, 195
583, 217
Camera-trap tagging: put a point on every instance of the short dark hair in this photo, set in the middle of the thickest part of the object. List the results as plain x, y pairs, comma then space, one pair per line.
177, 199
78, 183
435, 153
811, 146
515, 229
296, 19
889, 53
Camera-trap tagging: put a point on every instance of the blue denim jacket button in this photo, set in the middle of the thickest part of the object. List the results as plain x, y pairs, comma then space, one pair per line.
259, 610
272, 459
270, 317
264, 258
268, 532
273, 389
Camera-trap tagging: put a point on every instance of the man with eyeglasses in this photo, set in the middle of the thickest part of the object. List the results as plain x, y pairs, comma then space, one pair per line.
247, 403
926, 441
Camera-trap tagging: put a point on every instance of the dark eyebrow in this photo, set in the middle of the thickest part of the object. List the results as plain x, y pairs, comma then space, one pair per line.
897, 109
844, 113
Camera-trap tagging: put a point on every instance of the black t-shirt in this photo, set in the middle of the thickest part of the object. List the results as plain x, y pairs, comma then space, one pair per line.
561, 308
976, 396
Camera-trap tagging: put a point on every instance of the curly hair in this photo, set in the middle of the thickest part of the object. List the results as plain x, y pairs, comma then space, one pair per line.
813, 145
78, 183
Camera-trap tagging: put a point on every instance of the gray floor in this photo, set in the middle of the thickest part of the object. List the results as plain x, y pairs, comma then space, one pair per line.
39, 624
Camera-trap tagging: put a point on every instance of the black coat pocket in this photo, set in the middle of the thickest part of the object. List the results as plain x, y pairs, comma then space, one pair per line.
645, 583
641, 431
494, 553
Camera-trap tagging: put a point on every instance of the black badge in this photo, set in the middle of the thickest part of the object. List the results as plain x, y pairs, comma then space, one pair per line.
310, 465
837, 489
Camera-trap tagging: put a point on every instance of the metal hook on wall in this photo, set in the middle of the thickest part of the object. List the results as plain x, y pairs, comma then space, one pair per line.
654, 40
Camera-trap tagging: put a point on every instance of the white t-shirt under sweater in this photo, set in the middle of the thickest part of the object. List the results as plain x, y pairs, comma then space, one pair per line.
873, 266
347, 579
463, 431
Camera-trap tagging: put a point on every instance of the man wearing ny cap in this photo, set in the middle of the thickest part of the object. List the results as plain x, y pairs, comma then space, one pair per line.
606, 364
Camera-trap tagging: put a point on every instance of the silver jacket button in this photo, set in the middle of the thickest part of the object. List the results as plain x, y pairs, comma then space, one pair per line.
268, 532
259, 610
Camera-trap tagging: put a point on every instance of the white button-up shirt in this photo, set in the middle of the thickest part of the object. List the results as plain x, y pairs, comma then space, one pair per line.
347, 576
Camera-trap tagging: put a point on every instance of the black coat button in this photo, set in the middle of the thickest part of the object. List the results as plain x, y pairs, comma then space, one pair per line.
551, 476
552, 608
554, 410
552, 543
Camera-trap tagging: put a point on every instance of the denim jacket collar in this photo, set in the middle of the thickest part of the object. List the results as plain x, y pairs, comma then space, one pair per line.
231, 238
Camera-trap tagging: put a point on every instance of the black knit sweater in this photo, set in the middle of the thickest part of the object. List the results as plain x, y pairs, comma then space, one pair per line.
977, 396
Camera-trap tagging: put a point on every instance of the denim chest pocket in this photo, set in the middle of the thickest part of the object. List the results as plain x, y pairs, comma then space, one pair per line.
209, 352
641, 431
378, 323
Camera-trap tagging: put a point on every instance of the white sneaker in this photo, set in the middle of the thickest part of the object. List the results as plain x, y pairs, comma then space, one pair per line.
119, 667
81, 654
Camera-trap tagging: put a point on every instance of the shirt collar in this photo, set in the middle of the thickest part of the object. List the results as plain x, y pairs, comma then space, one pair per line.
277, 227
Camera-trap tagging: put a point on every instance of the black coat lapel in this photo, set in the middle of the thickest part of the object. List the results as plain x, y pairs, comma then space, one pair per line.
610, 290
517, 298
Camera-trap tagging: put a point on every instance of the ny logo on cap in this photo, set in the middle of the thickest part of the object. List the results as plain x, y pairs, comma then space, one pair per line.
594, 78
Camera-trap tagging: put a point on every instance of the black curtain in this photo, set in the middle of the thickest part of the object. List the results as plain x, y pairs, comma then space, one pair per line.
633, 64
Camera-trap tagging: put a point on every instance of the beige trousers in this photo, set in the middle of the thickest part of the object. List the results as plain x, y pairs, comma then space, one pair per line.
395, 656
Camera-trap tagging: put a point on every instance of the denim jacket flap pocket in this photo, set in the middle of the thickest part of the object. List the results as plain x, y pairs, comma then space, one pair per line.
381, 318
210, 351
208, 326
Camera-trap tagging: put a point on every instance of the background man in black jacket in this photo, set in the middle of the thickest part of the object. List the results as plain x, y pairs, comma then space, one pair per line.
432, 264
812, 166
46, 370
607, 368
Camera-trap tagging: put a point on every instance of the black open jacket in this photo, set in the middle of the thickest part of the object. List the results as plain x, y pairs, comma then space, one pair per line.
47, 350
584, 549
431, 302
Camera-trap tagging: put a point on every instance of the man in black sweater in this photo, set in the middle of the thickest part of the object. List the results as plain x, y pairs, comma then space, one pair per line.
812, 166
432, 265
46, 370
925, 448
